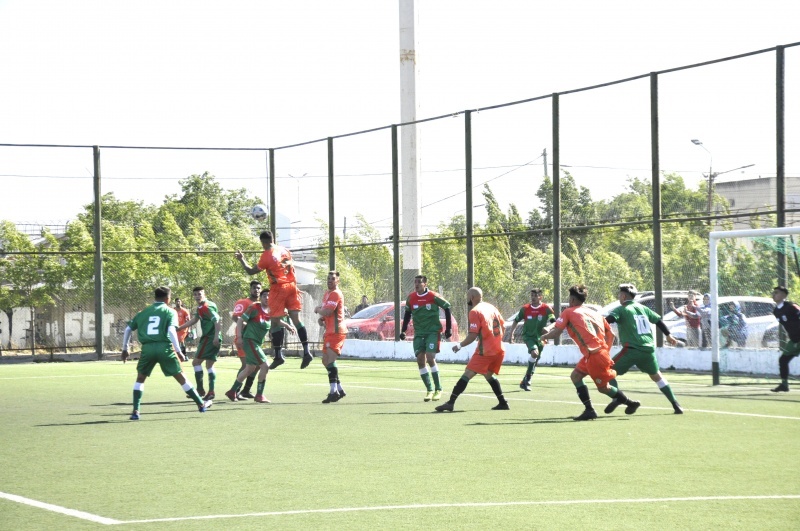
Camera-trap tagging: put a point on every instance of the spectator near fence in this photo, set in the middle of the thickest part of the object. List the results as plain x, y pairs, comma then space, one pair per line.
690, 312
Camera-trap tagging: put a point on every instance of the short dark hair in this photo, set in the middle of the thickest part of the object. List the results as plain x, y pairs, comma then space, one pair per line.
254, 283
266, 235
579, 291
198, 288
334, 273
537, 291
630, 289
263, 291
162, 293
422, 278
781, 288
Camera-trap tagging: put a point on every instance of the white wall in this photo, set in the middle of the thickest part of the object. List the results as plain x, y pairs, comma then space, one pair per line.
744, 360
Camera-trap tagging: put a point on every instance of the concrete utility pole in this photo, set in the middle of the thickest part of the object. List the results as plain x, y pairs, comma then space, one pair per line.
409, 166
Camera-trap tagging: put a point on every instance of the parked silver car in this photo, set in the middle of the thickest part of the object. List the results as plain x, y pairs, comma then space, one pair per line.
757, 312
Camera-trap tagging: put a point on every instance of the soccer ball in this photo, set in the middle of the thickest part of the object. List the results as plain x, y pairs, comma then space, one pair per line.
259, 212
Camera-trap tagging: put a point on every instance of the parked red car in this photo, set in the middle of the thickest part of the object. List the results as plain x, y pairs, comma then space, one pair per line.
376, 322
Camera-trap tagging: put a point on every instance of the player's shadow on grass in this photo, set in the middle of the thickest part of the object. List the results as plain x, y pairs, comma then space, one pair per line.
426, 412
557, 420
171, 403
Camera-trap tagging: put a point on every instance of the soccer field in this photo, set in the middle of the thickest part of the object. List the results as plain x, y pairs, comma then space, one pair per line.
382, 459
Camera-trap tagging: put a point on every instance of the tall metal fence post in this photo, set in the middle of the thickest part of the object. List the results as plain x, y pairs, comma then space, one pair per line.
272, 211
655, 173
98, 258
556, 213
331, 211
468, 185
396, 231
780, 176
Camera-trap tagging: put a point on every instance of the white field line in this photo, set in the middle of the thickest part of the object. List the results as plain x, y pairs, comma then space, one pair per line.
61, 510
111, 521
513, 399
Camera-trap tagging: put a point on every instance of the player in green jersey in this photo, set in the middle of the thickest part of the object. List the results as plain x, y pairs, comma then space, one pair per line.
156, 332
423, 305
536, 316
208, 345
638, 345
251, 329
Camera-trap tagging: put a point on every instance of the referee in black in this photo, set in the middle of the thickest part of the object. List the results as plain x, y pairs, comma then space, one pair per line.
788, 315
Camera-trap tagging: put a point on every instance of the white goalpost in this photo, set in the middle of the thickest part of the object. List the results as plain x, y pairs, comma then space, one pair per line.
775, 239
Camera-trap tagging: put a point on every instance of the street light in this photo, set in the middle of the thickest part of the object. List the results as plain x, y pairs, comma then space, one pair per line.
710, 174
297, 180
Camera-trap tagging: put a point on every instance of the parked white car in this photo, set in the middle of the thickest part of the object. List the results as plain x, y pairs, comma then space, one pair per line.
757, 313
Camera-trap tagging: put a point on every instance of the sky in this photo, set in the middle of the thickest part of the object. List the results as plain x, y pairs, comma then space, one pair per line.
261, 74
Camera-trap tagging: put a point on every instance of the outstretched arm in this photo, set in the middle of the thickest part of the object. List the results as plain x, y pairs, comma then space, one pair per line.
250, 270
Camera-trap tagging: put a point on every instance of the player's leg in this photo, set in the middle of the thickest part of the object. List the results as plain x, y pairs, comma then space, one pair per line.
138, 391
212, 376
533, 351
433, 344
495, 363
293, 304
197, 364
461, 384
263, 369
277, 333
599, 368
623, 361
329, 362
578, 374
245, 393
419, 351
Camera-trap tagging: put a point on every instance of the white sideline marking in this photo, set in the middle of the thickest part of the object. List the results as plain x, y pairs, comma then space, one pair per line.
512, 399
461, 505
58, 509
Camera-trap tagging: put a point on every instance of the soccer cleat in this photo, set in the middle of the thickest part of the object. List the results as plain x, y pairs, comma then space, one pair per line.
210, 396
205, 407
342, 394
245, 394
437, 395
782, 388
332, 397
428, 396
677, 407
588, 414
277, 362
231, 395
614, 404
633, 405
135, 415
241, 397
447, 406
525, 385
307, 359
502, 406
261, 399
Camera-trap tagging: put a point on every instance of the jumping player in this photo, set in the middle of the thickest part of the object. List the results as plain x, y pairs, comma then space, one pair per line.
284, 295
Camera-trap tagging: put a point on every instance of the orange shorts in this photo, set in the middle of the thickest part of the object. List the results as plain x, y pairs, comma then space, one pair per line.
335, 342
598, 366
283, 297
486, 364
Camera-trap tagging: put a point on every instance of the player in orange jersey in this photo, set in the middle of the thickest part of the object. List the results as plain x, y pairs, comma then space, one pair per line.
594, 338
331, 313
183, 318
239, 308
487, 326
283, 294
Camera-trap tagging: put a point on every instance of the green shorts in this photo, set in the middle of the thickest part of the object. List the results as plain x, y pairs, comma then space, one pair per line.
535, 342
790, 348
645, 360
428, 343
158, 353
253, 353
206, 349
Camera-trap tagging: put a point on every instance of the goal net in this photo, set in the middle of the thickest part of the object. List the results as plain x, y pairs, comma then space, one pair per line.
744, 267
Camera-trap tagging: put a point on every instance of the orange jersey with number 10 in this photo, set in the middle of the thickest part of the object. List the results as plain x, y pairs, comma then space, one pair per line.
587, 328
486, 321
274, 261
